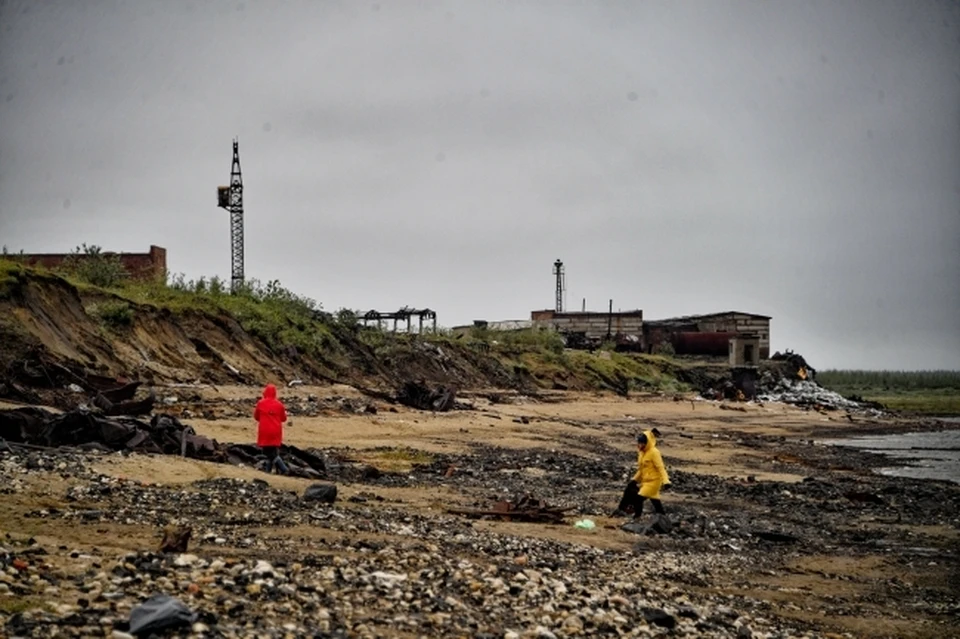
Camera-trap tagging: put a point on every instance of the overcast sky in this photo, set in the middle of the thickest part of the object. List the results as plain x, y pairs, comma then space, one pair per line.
796, 159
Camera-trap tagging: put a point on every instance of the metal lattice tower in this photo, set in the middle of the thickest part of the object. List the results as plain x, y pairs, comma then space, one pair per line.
231, 198
561, 284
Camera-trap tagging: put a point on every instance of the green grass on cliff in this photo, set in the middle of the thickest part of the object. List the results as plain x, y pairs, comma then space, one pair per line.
283, 319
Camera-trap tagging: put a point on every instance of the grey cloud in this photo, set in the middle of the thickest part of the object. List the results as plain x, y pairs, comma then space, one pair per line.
797, 159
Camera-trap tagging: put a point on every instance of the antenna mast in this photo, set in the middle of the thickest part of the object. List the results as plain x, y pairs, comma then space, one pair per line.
231, 199
561, 284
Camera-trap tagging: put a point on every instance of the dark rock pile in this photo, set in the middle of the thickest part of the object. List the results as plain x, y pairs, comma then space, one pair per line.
163, 434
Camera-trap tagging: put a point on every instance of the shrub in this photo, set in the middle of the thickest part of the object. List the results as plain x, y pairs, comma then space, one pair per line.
92, 265
115, 313
528, 339
7, 256
10, 274
347, 318
664, 348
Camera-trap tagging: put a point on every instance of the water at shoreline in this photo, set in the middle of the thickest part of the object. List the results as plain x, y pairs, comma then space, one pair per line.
927, 455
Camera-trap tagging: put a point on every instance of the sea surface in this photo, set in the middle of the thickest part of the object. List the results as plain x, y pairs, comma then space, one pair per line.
930, 455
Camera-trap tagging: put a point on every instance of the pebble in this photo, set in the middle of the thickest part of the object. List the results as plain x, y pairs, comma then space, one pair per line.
437, 573
186, 560
573, 623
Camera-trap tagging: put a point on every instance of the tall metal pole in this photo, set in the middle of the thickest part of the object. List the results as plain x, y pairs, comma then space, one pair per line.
231, 199
558, 271
610, 321
236, 218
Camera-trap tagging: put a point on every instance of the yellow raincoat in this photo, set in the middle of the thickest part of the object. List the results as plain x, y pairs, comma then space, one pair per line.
651, 473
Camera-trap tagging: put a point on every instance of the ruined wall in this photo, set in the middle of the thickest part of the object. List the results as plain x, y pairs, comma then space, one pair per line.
744, 323
594, 325
141, 266
744, 351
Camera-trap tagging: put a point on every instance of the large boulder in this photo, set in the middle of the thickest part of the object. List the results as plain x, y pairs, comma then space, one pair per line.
323, 493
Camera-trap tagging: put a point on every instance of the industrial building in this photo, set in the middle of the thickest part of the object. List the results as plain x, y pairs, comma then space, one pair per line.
592, 325
742, 338
707, 334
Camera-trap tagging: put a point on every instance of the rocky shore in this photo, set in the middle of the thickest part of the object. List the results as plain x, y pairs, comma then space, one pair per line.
839, 552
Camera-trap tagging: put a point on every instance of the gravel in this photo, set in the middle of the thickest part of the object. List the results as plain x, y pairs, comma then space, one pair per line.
266, 563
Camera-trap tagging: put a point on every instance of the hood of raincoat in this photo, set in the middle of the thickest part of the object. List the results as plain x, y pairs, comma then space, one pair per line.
651, 440
270, 391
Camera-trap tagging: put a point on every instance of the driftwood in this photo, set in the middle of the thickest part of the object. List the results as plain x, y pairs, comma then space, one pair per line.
780, 538
527, 508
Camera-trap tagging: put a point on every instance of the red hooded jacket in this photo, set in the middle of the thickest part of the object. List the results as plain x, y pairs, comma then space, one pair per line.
270, 415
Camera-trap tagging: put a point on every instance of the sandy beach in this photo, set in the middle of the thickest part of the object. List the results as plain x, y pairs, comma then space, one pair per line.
774, 535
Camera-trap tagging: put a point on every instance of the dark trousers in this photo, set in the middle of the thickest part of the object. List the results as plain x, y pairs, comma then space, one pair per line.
274, 460
632, 501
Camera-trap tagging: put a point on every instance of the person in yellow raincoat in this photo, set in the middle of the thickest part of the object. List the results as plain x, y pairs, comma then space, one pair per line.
651, 475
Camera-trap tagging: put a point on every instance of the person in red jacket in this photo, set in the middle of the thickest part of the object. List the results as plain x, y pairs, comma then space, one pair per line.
270, 415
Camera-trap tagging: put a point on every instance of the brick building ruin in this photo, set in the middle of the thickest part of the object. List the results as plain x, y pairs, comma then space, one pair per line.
139, 266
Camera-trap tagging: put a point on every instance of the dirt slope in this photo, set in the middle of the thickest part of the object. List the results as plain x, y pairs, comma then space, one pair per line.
52, 318
53, 333
44, 319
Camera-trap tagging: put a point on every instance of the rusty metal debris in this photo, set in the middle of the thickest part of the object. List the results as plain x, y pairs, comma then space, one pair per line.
419, 395
39, 370
114, 396
115, 407
122, 393
798, 365
527, 508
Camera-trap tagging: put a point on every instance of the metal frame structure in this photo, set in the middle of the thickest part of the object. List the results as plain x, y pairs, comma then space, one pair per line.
231, 199
404, 314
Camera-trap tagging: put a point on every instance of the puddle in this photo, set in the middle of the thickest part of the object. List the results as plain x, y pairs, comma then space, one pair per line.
932, 455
